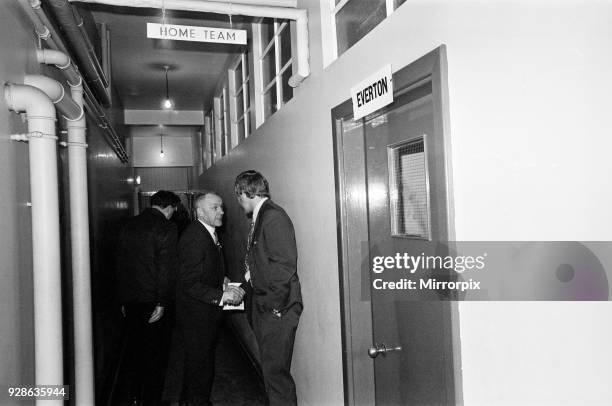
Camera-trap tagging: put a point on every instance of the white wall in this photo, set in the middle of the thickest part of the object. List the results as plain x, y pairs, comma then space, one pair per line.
529, 90
17, 50
177, 144
167, 117
529, 84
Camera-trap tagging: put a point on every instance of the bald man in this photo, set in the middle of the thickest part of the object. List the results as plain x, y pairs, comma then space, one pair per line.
201, 293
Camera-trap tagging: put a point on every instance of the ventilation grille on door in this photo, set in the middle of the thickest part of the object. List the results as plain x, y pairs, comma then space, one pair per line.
409, 191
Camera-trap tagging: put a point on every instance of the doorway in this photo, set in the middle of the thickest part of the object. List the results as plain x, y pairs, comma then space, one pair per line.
394, 195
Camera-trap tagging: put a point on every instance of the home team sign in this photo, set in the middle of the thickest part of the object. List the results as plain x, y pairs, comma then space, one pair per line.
373, 93
198, 34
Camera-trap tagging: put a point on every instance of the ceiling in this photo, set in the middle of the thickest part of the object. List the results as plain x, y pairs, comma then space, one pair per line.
138, 61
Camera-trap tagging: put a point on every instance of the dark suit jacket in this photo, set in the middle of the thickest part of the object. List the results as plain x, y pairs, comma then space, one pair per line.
201, 269
273, 260
146, 258
198, 314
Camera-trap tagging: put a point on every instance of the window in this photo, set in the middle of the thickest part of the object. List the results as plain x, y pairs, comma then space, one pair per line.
408, 189
225, 121
208, 149
221, 117
241, 103
353, 19
203, 157
275, 64
218, 127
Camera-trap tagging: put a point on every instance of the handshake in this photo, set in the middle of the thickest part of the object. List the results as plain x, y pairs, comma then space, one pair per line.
232, 293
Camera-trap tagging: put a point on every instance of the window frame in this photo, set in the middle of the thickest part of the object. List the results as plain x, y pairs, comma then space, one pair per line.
218, 127
239, 95
335, 9
227, 144
262, 50
208, 150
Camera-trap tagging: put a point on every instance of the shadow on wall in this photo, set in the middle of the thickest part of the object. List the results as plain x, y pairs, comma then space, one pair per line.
110, 203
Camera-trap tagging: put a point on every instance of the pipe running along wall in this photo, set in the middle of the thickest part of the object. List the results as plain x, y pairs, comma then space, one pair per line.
300, 16
84, 392
273, 3
73, 27
46, 32
48, 340
81, 268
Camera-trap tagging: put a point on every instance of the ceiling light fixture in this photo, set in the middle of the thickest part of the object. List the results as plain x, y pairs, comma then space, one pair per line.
167, 103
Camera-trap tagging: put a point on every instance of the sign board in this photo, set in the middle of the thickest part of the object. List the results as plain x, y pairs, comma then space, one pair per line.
373, 93
197, 34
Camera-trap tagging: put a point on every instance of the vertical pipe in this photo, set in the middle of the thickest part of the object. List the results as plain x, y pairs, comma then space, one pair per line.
79, 229
45, 233
81, 271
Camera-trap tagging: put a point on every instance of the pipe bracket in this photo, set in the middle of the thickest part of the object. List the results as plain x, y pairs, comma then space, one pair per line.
19, 137
74, 144
34, 134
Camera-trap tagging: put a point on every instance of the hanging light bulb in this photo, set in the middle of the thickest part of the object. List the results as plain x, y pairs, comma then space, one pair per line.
161, 145
167, 102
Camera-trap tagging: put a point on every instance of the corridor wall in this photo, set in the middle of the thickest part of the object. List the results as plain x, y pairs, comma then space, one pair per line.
529, 88
110, 201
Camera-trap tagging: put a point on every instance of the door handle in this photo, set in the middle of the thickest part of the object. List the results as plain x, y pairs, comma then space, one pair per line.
381, 349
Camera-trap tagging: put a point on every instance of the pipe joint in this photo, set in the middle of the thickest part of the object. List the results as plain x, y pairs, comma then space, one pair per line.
79, 84
75, 125
53, 57
62, 67
45, 34
51, 87
29, 99
79, 117
55, 91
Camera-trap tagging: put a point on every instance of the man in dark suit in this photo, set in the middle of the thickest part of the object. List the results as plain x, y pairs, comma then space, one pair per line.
271, 271
146, 263
201, 293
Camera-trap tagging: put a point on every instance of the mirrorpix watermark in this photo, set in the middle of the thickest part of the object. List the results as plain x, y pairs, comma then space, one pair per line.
489, 270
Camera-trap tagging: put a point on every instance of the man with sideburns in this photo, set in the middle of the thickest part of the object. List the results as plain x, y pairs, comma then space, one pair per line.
272, 280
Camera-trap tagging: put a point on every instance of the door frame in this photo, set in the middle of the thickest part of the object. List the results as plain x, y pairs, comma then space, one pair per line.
433, 65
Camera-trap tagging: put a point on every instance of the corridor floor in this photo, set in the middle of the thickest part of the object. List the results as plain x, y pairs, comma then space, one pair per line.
236, 380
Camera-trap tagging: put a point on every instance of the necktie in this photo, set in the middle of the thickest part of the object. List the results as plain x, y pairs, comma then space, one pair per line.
247, 269
251, 231
216, 238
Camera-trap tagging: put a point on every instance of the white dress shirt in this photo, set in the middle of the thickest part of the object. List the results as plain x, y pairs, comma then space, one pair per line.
247, 275
257, 207
213, 234
211, 230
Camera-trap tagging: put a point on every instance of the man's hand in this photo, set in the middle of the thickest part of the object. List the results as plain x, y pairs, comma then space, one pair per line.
226, 281
232, 295
157, 314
